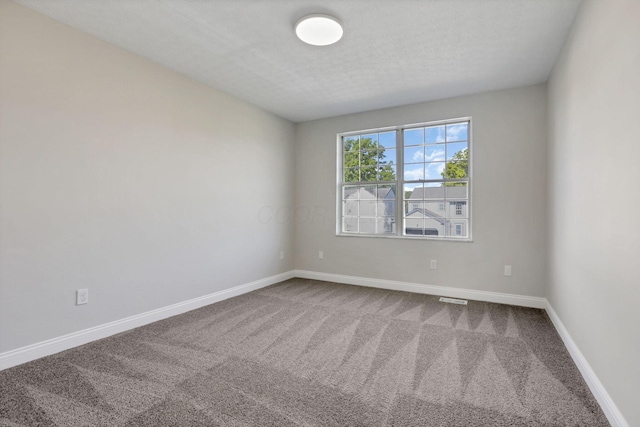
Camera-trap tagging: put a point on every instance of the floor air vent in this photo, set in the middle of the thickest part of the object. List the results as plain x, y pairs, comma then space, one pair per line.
453, 300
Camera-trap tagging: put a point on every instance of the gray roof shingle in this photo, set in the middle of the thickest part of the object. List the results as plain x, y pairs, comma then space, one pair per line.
453, 192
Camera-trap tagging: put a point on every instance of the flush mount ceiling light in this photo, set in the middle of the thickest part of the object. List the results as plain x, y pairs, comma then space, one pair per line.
319, 30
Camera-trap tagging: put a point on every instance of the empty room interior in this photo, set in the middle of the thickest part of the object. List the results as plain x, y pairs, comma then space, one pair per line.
224, 213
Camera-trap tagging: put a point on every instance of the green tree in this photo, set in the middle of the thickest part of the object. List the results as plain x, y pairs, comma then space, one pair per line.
364, 160
457, 167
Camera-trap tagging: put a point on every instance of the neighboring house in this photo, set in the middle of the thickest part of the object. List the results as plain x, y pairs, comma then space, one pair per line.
432, 211
369, 209
423, 222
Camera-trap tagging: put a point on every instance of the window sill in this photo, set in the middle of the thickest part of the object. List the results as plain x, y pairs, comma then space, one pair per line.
382, 236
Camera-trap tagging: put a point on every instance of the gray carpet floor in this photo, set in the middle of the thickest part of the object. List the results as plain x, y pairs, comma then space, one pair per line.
310, 353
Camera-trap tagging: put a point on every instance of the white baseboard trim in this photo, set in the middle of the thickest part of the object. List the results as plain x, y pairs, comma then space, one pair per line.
74, 339
615, 417
512, 299
65, 342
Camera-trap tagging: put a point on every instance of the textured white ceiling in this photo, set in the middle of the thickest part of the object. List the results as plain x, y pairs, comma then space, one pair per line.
393, 52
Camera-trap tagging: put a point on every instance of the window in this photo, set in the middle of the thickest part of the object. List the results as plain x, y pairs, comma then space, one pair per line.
406, 176
459, 208
368, 189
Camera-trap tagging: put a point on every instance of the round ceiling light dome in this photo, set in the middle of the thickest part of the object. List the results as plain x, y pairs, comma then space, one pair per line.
319, 30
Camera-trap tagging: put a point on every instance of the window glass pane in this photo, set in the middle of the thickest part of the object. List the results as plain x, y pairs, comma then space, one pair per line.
413, 172
367, 225
369, 156
387, 208
350, 208
368, 207
457, 228
412, 194
457, 209
385, 225
351, 143
352, 175
387, 173
457, 190
387, 192
387, 139
423, 227
457, 132
350, 192
409, 188
414, 208
369, 139
413, 197
367, 192
413, 136
434, 134
414, 226
433, 226
369, 174
414, 154
434, 153
457, 151
433, 190
351, 159
413, 191
436, 207
386, 156
457, 170
350, 225
434, 170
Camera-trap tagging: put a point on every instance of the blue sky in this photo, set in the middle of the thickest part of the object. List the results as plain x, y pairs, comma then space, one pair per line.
426, 149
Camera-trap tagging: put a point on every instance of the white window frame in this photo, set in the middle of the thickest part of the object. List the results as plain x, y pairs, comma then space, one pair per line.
399, 218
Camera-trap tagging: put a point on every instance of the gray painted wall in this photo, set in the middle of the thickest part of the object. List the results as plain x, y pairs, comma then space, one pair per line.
123, 177
509, 198
594, 134
150, 189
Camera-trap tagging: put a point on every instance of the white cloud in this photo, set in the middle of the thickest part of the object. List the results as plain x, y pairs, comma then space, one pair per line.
435, 155
434, 170
411, 187
418, 156
435, 134
411, 175
457, 132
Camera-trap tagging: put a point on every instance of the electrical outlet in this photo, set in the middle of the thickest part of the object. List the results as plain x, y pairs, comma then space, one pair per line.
507, 270
320, 255
281, 254
434, 264
82, 296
